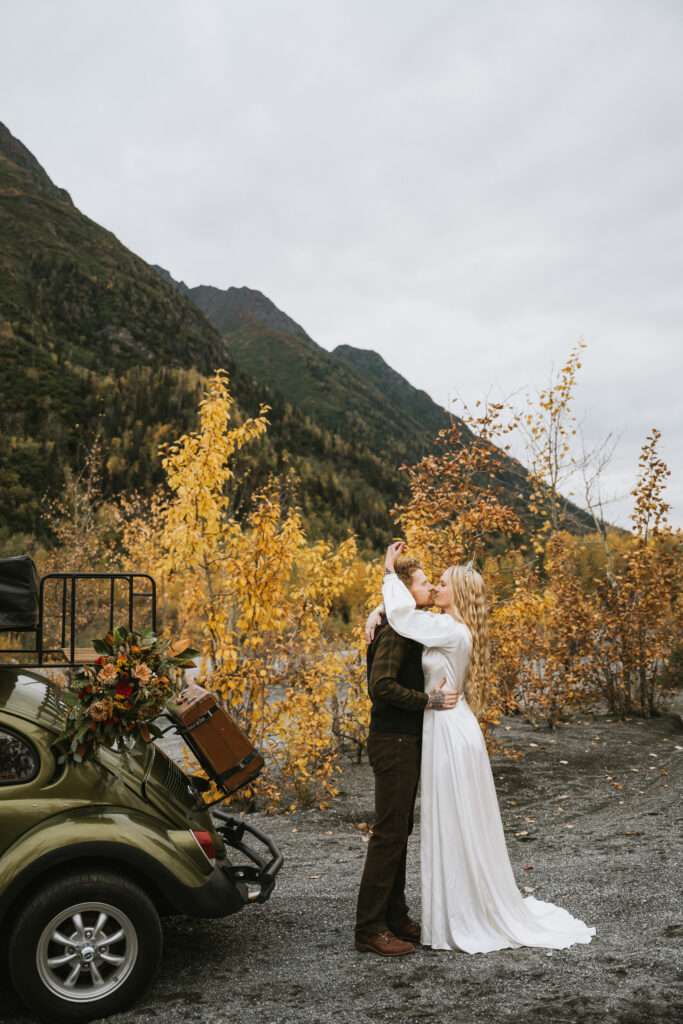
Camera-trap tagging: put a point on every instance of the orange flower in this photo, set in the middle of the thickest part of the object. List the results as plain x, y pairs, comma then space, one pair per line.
107, 673
142, 672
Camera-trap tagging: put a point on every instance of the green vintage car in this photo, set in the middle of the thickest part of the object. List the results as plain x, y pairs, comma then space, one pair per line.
92, 856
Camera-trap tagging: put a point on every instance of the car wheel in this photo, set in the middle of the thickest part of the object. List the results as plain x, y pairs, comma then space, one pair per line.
85, 945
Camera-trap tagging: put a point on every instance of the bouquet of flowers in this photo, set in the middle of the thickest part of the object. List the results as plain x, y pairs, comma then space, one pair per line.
118, 697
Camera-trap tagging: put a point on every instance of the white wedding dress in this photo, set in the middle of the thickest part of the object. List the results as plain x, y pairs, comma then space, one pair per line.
470, 900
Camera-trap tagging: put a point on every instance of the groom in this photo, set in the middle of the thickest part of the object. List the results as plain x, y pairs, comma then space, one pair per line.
396, 687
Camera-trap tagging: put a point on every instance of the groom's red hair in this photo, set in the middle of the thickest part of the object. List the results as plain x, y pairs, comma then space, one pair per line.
405, 566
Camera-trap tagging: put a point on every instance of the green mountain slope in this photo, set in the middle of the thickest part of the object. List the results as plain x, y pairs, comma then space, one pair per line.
92, 339
347, 391
417, 405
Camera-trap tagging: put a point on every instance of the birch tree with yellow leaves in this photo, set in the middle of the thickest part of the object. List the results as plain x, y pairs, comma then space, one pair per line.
261, 595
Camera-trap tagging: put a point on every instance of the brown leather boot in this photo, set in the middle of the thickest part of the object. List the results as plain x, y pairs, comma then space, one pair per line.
384, 944
409, 932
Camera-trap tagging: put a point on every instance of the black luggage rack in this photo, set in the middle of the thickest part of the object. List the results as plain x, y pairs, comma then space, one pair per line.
31, 591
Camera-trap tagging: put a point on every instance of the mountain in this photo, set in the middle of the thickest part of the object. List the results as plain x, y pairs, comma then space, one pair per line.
92, 340
349, 391
416, 404
95, 343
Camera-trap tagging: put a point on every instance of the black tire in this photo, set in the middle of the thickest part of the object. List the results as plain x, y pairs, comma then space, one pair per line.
108, 932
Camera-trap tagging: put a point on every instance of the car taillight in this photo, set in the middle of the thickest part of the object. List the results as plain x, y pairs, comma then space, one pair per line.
206, 843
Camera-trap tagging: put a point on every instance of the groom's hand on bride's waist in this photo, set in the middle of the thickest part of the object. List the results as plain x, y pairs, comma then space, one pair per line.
442, 700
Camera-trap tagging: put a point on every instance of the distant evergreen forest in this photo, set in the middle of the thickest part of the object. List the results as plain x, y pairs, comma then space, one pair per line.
95, 343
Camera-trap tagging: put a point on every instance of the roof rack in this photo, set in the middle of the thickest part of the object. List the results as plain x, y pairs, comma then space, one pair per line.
21, 596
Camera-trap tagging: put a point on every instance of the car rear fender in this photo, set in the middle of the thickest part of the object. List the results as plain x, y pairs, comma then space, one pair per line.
170, 860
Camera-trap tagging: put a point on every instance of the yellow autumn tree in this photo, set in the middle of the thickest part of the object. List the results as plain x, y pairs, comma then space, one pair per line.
456, 512
261, 595
636, 605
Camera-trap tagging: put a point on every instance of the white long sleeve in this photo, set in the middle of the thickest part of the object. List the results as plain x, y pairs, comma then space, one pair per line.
409, 621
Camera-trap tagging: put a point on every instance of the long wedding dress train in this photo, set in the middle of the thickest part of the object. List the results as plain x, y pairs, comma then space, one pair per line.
470, 900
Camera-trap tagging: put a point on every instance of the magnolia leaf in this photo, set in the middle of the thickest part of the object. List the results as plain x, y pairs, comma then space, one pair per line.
120, 635
177, 648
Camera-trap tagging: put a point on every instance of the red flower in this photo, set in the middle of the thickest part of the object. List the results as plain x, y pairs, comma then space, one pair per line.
80, 694
123, 688
98, 661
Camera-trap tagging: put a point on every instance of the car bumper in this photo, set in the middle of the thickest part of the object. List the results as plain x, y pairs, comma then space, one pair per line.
256, 879
230, 887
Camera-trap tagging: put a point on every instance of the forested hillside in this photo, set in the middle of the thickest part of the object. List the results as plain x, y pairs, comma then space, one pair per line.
94, 342
349, 391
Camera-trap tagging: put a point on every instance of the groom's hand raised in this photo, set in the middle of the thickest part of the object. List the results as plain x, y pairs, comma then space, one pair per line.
440, 700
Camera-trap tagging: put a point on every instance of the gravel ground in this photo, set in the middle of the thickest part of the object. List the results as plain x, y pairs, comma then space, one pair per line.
612, 856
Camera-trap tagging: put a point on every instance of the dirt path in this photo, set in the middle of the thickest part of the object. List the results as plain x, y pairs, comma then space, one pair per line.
618, 867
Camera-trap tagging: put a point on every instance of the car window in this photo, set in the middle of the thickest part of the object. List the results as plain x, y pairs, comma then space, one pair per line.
19, 761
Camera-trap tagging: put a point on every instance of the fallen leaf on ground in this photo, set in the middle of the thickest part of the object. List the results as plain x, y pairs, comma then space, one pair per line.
529, 888
569, 826
329, 833
524, 833
564, 762
562, 796
295, 830
528, 867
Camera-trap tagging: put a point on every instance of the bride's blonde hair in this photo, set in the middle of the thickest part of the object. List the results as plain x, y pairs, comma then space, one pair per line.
467, 594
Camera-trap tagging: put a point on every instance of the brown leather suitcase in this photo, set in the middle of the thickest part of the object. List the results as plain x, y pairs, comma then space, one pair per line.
215, 738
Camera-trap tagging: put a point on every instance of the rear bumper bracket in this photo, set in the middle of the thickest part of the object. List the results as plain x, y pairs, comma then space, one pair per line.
260, 872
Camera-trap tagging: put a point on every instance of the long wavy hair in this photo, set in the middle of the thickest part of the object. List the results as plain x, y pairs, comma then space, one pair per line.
468, 604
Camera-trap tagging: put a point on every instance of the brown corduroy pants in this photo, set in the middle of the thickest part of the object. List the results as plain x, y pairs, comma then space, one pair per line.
395, 760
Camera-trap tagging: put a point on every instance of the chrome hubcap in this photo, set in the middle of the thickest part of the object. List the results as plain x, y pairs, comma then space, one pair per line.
86, 951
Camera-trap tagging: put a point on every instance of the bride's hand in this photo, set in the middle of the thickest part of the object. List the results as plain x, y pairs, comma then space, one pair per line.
440, 700
393, 551
373, 621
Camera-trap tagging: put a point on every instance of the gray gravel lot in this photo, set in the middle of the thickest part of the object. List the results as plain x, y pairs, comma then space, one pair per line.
292, 961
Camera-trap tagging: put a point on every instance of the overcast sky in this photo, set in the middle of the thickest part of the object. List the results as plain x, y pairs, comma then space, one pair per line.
465, 186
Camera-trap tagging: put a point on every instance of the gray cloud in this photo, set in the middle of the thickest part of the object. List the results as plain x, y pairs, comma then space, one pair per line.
466, 188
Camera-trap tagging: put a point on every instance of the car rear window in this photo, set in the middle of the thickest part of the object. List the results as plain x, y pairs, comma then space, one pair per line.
19, 761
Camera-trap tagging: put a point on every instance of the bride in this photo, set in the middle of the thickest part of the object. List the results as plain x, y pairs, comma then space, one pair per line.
470, 900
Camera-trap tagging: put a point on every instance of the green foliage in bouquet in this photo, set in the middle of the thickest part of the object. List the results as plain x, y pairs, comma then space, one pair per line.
119, 696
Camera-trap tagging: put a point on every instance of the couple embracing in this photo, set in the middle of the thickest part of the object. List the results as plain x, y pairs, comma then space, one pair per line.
427, 678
